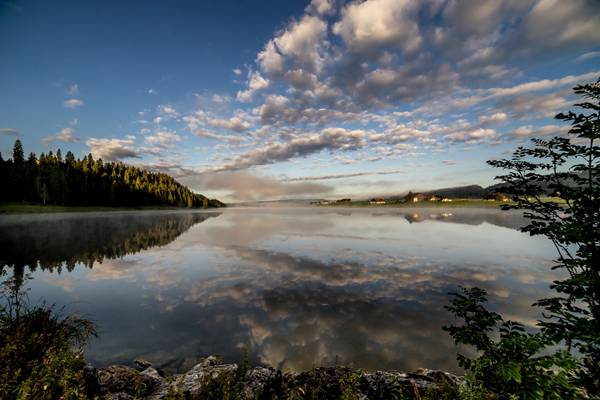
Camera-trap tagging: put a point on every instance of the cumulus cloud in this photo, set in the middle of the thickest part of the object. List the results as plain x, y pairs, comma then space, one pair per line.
73, 103
197, 122
471, 135
332, 139
495, 118
568, 24
376, 23
245, 186
220, 99
113, 149
163, 139
64, 135
321, 7
255, 83
234, 123
167, 111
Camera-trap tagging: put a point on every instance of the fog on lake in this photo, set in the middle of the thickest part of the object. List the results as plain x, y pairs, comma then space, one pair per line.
296, 287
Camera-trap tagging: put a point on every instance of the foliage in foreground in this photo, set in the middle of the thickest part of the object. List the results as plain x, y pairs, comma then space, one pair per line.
40, 352
512, 365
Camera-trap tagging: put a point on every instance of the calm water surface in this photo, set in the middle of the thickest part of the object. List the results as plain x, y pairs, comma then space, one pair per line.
297, 287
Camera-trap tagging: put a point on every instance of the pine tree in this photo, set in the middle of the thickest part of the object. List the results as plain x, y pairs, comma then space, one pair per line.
18, 155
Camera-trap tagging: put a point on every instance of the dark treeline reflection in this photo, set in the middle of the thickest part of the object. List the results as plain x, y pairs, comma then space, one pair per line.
56, 242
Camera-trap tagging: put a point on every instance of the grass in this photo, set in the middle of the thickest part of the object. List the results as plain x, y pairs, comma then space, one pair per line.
21, 208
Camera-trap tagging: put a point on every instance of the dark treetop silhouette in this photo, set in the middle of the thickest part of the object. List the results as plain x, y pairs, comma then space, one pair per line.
50, 179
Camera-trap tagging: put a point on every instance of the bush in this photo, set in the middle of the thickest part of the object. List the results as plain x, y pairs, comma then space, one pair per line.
40, 353
511, 365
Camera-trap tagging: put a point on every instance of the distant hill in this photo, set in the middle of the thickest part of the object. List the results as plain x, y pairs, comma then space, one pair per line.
461, 192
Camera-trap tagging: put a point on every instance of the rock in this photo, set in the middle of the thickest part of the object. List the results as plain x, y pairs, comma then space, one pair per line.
120, 378
142, 364
118, 396
154, 374
256, 380
204, 377
210, 378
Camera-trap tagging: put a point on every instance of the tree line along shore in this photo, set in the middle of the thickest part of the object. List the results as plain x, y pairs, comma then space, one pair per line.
50, 180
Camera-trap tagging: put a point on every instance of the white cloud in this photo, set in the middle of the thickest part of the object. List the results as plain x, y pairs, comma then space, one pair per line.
332, 139
196, 123
543, 84
163, 139
112, 149
167, 111
9, 131
64, 135
530, 130
235, 124
321, 7
557, 23
495, 118
270, 61
255, 83
376, 23
73, 103
472, 135
220, 99
588, 56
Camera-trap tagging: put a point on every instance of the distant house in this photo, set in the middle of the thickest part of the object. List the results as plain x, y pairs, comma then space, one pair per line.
446, 200
502, 197
435, 198
377, 201
415, 197
498, 196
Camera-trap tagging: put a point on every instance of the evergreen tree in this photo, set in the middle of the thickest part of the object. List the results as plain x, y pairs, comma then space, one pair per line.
18, 155
51, 180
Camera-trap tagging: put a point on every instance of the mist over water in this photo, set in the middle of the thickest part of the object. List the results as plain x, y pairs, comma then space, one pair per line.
296, 287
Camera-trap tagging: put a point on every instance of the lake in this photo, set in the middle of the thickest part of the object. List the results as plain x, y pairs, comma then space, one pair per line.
296, 287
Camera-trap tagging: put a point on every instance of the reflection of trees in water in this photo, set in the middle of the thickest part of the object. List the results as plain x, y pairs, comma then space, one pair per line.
56, 243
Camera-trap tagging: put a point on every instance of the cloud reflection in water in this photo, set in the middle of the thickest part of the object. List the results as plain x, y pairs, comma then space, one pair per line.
300, 287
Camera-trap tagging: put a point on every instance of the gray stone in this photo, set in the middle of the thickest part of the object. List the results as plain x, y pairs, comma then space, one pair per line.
193, 382
120, 378
142, 364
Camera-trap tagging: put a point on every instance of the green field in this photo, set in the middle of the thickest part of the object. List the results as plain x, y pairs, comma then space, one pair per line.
18, 208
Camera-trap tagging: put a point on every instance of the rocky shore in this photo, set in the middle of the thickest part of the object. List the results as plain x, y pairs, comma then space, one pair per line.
213, 379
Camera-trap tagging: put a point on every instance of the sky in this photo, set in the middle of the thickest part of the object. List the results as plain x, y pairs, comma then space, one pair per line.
259, 100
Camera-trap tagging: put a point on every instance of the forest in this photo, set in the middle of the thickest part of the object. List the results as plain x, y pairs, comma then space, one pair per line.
52, 179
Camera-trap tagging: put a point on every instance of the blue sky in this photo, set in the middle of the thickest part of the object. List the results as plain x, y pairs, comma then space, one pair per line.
264, 100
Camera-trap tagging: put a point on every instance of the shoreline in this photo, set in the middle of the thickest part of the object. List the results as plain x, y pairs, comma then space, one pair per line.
12, 209
211, 378
455, 203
